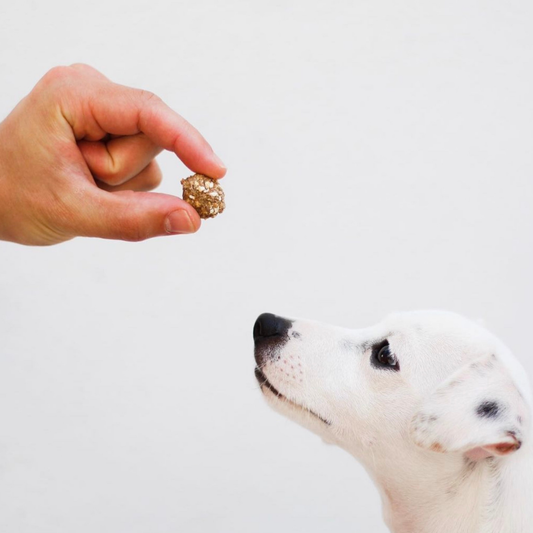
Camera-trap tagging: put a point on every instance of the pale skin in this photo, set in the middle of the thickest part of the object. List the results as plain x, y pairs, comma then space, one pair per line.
77, 158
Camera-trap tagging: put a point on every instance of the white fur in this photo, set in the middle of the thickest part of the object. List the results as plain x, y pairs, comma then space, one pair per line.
439, 465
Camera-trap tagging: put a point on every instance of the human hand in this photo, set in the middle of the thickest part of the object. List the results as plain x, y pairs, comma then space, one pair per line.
77, 157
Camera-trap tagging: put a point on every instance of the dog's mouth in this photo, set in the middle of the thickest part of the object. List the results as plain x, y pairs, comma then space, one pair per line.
263, 382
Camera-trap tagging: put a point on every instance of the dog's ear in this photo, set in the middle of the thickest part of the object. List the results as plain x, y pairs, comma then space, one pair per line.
478, 411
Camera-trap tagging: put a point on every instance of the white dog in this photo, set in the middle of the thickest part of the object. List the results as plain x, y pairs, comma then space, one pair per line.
434, 406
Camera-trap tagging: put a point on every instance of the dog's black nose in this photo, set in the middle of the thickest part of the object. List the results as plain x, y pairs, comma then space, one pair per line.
269, 325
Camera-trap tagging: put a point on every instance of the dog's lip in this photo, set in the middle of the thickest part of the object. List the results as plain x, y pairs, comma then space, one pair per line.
263, 382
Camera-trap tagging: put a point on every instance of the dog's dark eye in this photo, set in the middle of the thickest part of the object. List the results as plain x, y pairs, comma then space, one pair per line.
382, 357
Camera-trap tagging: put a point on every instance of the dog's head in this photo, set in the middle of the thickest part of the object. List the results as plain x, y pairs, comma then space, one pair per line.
424, 382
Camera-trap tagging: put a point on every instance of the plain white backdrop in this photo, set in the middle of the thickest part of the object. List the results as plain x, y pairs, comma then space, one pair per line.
379, 157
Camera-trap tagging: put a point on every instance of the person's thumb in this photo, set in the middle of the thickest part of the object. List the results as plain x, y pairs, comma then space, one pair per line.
135, 216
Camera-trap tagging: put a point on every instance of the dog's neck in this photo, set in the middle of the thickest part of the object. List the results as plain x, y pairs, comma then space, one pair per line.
443, 493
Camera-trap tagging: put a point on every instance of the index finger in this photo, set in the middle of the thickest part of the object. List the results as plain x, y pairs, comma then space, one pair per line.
172, 132
121, 110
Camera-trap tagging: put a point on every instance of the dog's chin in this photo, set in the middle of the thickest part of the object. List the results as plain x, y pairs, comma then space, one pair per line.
289, 408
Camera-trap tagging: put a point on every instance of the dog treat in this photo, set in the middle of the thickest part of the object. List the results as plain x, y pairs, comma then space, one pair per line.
204, 194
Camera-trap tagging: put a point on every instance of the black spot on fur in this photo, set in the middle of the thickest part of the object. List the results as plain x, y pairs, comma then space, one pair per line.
488, 409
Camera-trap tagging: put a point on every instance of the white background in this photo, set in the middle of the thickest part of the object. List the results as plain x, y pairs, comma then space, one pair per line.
379, 157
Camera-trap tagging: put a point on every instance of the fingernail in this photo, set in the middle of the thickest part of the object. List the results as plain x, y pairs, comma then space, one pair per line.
179, 222
219, 161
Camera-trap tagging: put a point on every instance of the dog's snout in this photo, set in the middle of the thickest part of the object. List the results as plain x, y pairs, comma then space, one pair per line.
268, 325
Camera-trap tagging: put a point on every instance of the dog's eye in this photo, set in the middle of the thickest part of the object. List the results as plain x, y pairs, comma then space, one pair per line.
382, 357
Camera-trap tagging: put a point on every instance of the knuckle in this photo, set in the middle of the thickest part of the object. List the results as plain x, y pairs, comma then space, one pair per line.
87, 71
137, 236
135, 231
154, 182
111, 174
82, 67
149, 97
57, 75
56, 79
154, 177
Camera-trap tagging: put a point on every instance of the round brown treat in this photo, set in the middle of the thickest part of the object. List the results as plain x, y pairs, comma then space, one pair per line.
204, 194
